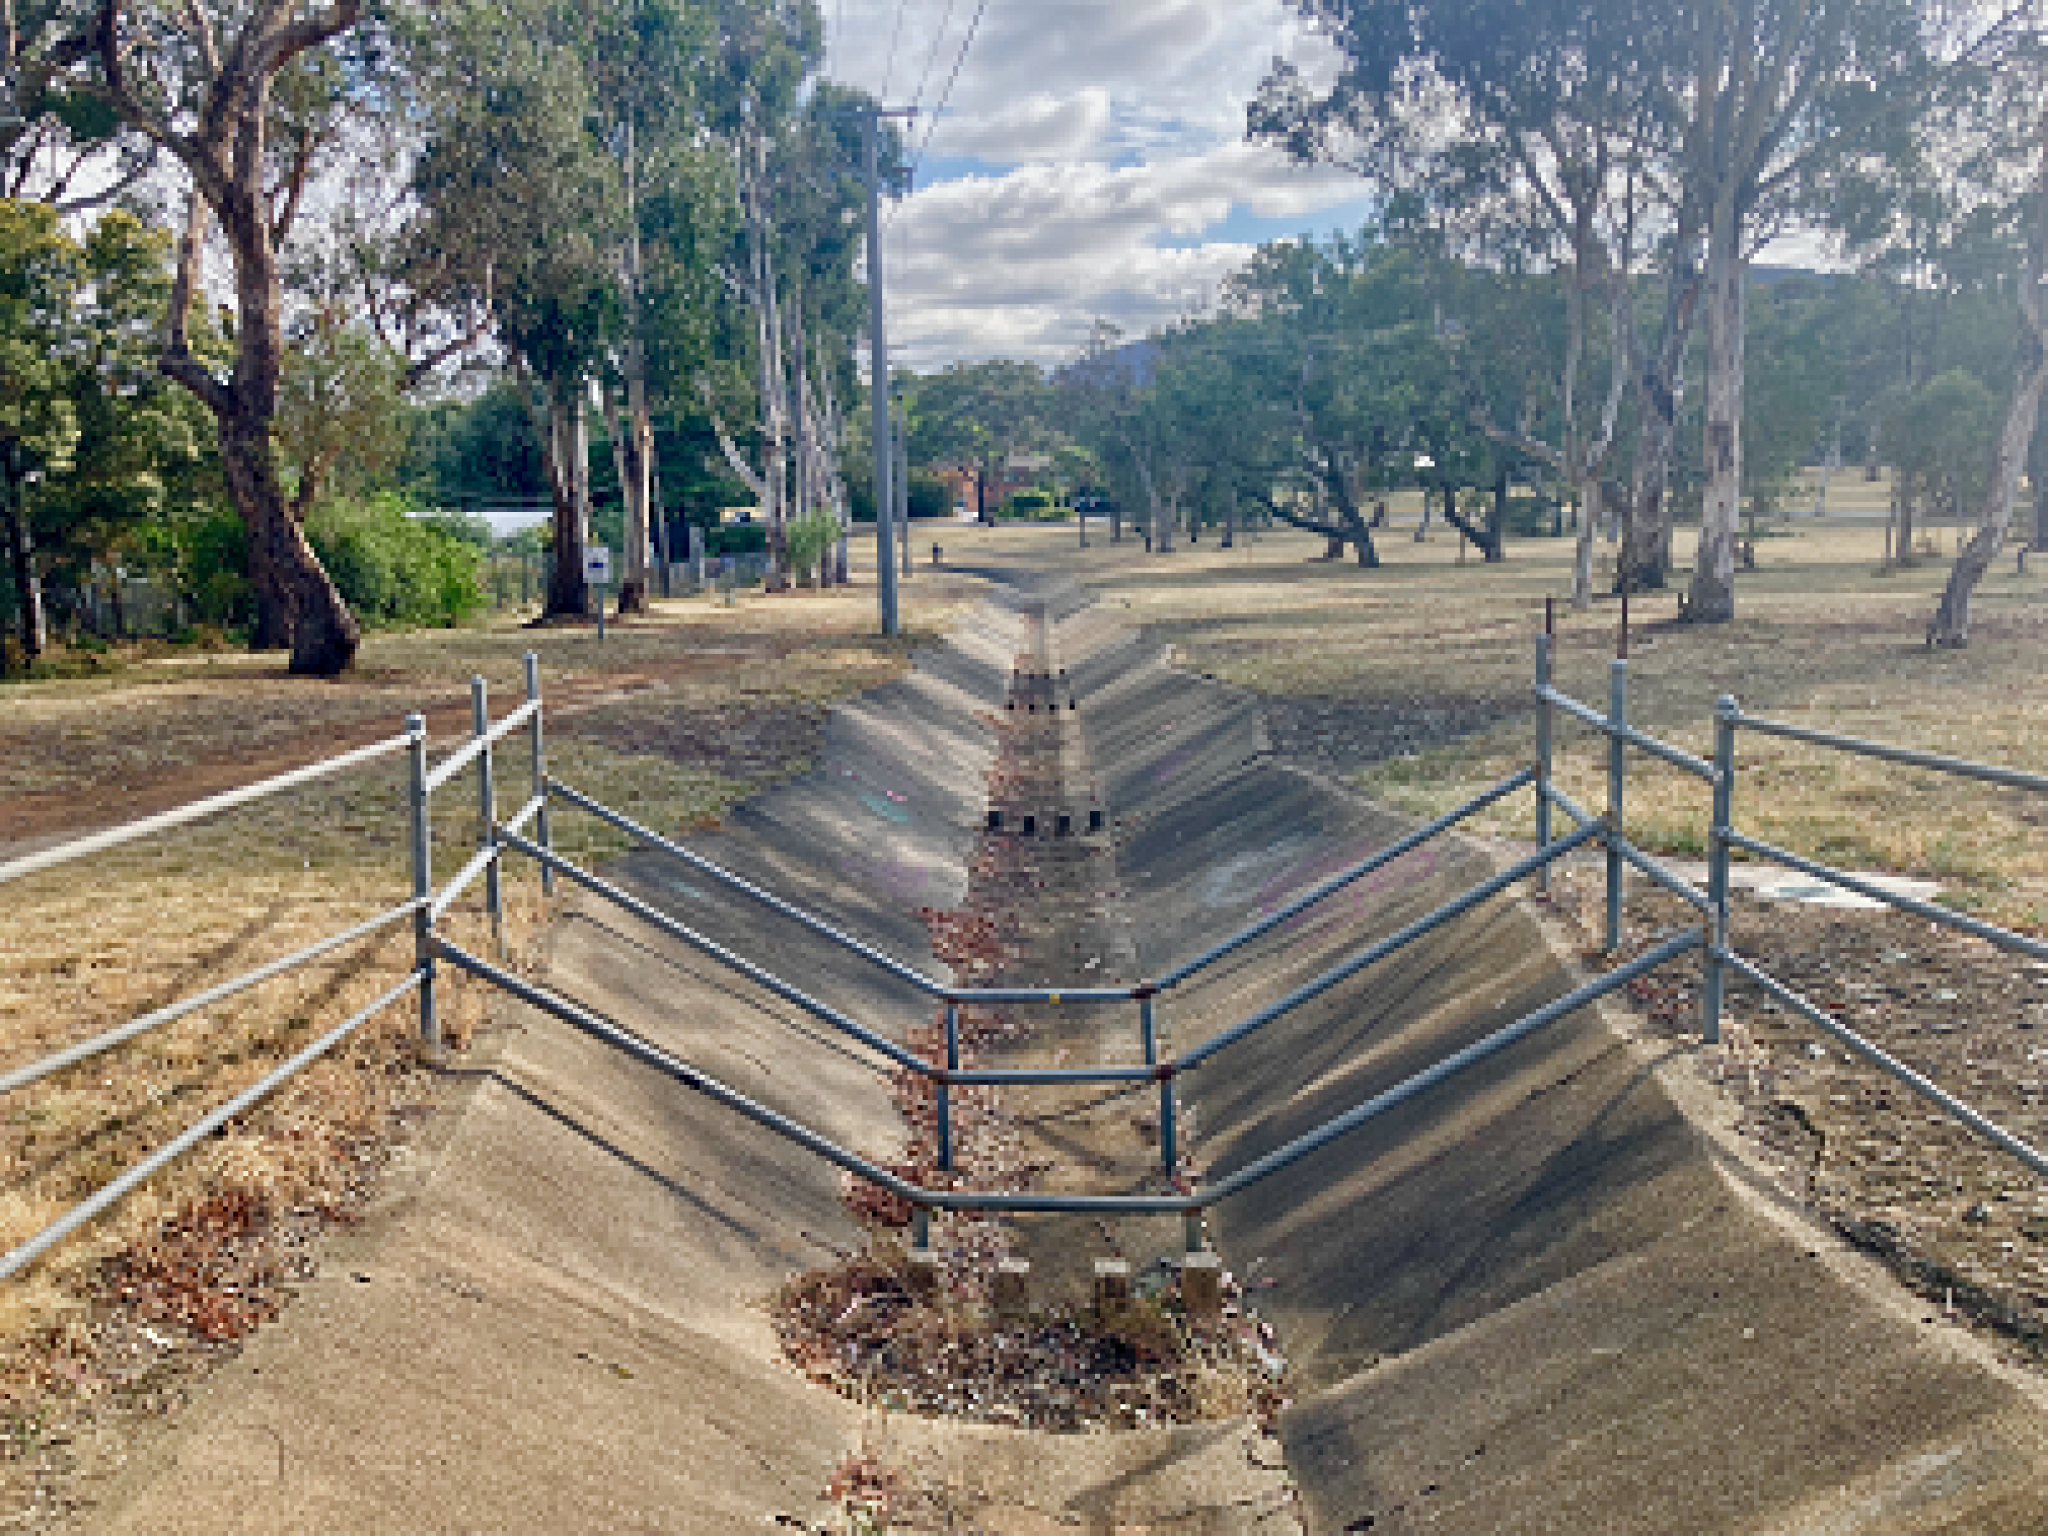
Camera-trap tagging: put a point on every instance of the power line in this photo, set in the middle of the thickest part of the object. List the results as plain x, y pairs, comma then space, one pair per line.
895, 36
953, 79
932, 56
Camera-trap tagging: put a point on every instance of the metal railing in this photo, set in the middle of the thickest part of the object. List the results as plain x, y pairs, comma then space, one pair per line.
424, 908
528, 832
1723, 840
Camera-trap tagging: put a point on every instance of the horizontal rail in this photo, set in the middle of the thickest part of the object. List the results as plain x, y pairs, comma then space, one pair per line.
1337, 882
1387, 946
1569, 806
179, 1145
1934, 912
1990, 1130
1302, 1146
462, 880
1429, 1077
1684, 890
2011, 778
473, 748
823, 1012
824, 929
85, 1050
523, 818
1677, 757
901, 1055
198, 810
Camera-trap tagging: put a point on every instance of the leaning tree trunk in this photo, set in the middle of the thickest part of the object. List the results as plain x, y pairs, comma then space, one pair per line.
324, 634
1950, 626
1712, 599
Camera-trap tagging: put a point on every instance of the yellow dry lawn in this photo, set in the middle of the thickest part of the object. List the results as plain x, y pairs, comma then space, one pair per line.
1824, 637
670, 719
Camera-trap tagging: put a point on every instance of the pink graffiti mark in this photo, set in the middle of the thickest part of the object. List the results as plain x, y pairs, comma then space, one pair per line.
1353, 903
1172, 763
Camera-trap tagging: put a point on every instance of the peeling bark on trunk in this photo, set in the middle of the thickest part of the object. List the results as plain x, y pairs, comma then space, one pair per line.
567, 466
28, 586
1712, 598
1582, 551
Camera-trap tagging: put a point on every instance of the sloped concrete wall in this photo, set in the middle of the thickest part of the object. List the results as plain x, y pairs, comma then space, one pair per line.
1541, 1298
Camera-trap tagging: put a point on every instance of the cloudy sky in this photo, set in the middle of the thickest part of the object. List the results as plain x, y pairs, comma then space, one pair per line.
1090, 163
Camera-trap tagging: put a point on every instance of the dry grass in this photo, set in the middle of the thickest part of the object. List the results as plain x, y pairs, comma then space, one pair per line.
672, 720
1822, 638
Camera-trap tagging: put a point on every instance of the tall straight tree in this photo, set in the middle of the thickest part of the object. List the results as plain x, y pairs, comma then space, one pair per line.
514, 192
1772, 95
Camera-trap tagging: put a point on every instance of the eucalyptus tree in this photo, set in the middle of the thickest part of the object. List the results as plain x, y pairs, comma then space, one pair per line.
2006, 169
978, 415
249, 99
1514, 134
514, 194
1772, 98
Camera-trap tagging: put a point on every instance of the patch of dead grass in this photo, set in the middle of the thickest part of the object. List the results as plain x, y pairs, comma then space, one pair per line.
647, 721
1822, 638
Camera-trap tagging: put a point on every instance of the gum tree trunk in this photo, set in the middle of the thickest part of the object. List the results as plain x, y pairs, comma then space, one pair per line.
1950, 627
1712, 599
231, 165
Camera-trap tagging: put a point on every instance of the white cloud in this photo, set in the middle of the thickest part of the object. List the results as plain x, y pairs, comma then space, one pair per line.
1115, 137
1021, 263
1041, 126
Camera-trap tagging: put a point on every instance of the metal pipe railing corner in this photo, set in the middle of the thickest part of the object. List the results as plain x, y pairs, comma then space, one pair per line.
1715, 962
420, 827
1617, 779
543, 826
1545, 748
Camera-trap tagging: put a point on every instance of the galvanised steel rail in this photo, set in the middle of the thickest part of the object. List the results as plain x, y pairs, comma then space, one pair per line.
951, 1075
925, 1199
1723, 839
424, 908
495, 837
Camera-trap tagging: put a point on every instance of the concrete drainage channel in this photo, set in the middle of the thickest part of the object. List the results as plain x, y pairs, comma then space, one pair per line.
1544, 1298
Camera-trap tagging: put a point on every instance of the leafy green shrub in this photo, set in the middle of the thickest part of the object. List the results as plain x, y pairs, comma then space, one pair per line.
394, 569
1530, 517
736, 539
1030, 506
211, 554
929, 495
810, 537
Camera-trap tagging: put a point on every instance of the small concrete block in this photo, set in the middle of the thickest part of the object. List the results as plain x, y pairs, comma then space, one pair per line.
1112, 1287
1010, 1294
922, 1272
1201, 1287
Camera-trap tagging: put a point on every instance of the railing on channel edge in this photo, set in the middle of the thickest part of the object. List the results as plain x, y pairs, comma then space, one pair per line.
424, 907
495, 838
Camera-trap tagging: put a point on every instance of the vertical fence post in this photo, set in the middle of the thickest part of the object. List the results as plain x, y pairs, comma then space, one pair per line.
946, 1088
1543, 755
487, 810
422, 881
1725, 713
1617, 770
540, 773
1169, 1127
1148, 1031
